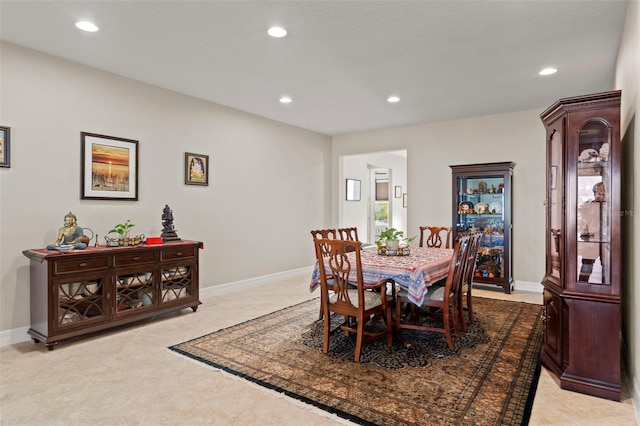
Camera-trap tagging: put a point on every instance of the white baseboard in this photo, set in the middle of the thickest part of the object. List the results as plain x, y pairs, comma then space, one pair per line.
225, 288
632, 383
13, 336
528, 286
517, 285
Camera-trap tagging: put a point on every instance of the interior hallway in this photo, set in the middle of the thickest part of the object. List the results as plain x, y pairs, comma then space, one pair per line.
127, 376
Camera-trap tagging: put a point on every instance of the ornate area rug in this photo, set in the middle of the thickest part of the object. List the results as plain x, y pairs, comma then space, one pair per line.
488, 378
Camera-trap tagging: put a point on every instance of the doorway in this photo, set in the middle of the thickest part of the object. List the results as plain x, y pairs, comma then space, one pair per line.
361, 213
380, 209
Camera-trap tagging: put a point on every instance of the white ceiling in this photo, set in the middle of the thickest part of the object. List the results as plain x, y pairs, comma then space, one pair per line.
341, 59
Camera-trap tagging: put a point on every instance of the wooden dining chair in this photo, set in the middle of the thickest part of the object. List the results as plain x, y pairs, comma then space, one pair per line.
348, 234
441, 300
469, 270
437, 236
319, 234
356, 303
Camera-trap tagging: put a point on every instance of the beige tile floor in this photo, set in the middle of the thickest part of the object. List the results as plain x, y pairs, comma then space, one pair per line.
128, 377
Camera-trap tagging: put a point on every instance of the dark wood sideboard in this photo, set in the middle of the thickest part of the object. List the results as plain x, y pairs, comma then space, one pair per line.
78, 292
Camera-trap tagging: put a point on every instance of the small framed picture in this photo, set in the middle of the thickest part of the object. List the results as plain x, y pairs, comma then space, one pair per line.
398, 192
5, 140
353, 190
196, 169
404, 200
109, 169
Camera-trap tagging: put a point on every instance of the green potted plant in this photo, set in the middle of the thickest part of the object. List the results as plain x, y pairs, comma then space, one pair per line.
123, 230
390, 239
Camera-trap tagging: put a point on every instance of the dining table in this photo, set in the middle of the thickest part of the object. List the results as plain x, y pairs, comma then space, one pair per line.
414, 272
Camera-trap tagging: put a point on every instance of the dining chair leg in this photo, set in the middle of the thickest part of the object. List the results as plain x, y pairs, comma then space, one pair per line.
447, 328
359, 339
454, 318
327, 331
398, 316
469, 307
349, 322
463, 324
389, 322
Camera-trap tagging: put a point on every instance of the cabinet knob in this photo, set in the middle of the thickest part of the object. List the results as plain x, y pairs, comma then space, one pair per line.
136, 257
83, 264
179, 253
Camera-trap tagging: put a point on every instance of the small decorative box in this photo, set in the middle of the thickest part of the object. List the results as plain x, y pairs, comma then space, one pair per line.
154, 240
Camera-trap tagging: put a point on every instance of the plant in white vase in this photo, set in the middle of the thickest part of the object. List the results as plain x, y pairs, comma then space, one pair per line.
390, 239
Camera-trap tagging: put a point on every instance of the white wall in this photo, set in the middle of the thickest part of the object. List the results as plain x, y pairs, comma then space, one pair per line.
269, 182
627, 79
356, 213
431, 148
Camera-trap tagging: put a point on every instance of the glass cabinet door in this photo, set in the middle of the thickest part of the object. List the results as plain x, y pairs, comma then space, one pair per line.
79, 302
555, 204
593, 233
177, 282
481, 207
134, 290
482, 202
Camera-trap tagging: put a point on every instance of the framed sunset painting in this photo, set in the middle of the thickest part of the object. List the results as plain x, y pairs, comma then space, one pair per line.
109, 168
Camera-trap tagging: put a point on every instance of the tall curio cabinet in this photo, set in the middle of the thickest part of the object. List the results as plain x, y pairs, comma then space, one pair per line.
582, 277
482, 201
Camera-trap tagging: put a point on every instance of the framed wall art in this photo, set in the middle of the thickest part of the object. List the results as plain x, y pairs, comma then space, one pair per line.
404, 200
398, 192
109, 168
196, 169
353, 190
5, 140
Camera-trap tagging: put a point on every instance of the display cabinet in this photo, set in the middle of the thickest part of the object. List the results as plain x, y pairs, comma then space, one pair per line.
482, 201
581, 343
82, 291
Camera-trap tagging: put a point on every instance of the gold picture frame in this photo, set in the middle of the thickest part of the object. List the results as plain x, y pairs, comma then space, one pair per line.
196, 169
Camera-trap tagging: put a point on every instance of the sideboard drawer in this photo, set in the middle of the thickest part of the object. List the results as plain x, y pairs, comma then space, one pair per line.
134, 258
181, 252
80, 265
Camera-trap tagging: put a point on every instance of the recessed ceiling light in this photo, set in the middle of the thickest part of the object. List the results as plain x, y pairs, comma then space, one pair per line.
277, 32
393, 99
548, 71
87, 26
285, 100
